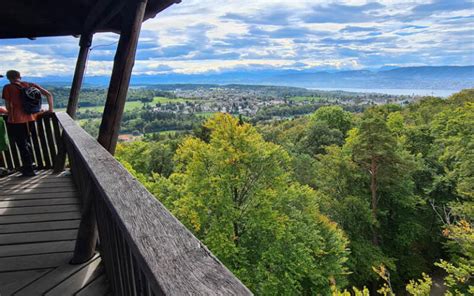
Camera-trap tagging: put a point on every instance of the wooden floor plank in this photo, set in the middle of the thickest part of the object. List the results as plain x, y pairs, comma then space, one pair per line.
40, 217
38, 226
37, 248
38, 202
40, 236
12, 281
36, 182
27, 196
17, 178
99, 287
78, 280
23, 191
52, 279
39, 187
38, 210
40, 183
34, 261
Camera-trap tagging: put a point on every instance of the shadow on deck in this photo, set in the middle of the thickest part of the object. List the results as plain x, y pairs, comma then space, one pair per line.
39, 218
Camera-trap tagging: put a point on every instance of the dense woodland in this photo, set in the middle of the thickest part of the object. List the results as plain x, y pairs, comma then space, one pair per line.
381, 200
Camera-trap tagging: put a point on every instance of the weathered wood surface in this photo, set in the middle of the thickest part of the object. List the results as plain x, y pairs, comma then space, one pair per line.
132, 18
47, 18
39, 210
39, 217
53, 278
143, 243
38, 202
12, 281
36, 245
73, 102
43, 141
37, 248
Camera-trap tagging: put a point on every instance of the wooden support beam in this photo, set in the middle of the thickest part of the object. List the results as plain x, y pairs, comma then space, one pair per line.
87, 234
95, 14
102, 13
121, 73
85, 44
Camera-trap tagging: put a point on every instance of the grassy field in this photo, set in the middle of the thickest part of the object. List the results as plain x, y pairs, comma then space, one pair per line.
135, 104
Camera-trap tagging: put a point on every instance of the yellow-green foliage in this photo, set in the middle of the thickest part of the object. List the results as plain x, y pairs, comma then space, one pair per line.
237, 195
420, 287
355, 292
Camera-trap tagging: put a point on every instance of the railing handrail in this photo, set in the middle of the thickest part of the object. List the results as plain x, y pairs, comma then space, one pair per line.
173, 260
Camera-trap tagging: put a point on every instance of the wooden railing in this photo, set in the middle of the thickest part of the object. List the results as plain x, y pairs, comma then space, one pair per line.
146, 250
44, 141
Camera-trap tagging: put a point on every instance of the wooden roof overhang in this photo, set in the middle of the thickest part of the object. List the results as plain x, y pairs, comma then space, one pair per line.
42, 18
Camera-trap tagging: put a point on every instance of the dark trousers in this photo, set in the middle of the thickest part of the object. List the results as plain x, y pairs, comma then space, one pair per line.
20, 135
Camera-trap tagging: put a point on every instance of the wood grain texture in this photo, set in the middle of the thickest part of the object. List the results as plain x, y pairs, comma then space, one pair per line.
39, 217
34, 196
39, 236
47, 18
52, 279
12, 281
36, 248
28, 262
78, 280
38, 202
170, 257
38, 210
51, 189
99, 286
39, 226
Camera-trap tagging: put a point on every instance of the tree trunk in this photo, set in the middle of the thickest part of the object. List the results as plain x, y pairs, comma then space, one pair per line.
374, 201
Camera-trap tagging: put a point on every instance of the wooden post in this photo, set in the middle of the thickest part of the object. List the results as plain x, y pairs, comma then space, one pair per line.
87, 234
121, 73
85, 44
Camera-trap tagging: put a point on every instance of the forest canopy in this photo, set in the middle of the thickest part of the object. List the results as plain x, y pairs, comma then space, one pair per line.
329, 203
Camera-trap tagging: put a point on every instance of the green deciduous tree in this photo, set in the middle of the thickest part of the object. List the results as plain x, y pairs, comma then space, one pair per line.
237, 195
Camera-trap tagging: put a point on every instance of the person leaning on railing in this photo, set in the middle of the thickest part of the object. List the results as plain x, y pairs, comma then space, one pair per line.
19, 122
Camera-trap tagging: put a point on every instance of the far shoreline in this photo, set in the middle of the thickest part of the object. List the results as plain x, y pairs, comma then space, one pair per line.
444, 93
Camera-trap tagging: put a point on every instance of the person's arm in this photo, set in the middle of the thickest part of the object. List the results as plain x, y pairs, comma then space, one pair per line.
48, 96
6, 97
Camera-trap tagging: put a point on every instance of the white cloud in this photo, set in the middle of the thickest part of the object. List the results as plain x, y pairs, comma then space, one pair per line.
200, 36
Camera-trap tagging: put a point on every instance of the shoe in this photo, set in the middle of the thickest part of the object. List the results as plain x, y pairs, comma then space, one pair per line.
5, 172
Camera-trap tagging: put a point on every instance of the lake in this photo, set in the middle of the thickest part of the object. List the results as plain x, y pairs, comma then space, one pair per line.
394, 91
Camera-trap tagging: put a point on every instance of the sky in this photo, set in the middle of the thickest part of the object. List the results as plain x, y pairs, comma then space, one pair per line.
210, 36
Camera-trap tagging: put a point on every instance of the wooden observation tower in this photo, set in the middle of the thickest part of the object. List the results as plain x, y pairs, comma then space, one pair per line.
120, 239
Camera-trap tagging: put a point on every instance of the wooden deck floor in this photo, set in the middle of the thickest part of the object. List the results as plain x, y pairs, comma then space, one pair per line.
39, 217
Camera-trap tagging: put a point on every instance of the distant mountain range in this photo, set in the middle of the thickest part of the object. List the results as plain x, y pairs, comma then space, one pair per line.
442, 77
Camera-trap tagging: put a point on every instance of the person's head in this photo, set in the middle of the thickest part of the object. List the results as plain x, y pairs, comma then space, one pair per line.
13, 75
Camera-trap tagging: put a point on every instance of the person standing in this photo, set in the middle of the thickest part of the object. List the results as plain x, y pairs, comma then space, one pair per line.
19, 122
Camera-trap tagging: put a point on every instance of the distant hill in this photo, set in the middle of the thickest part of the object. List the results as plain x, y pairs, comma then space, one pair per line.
442, 77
